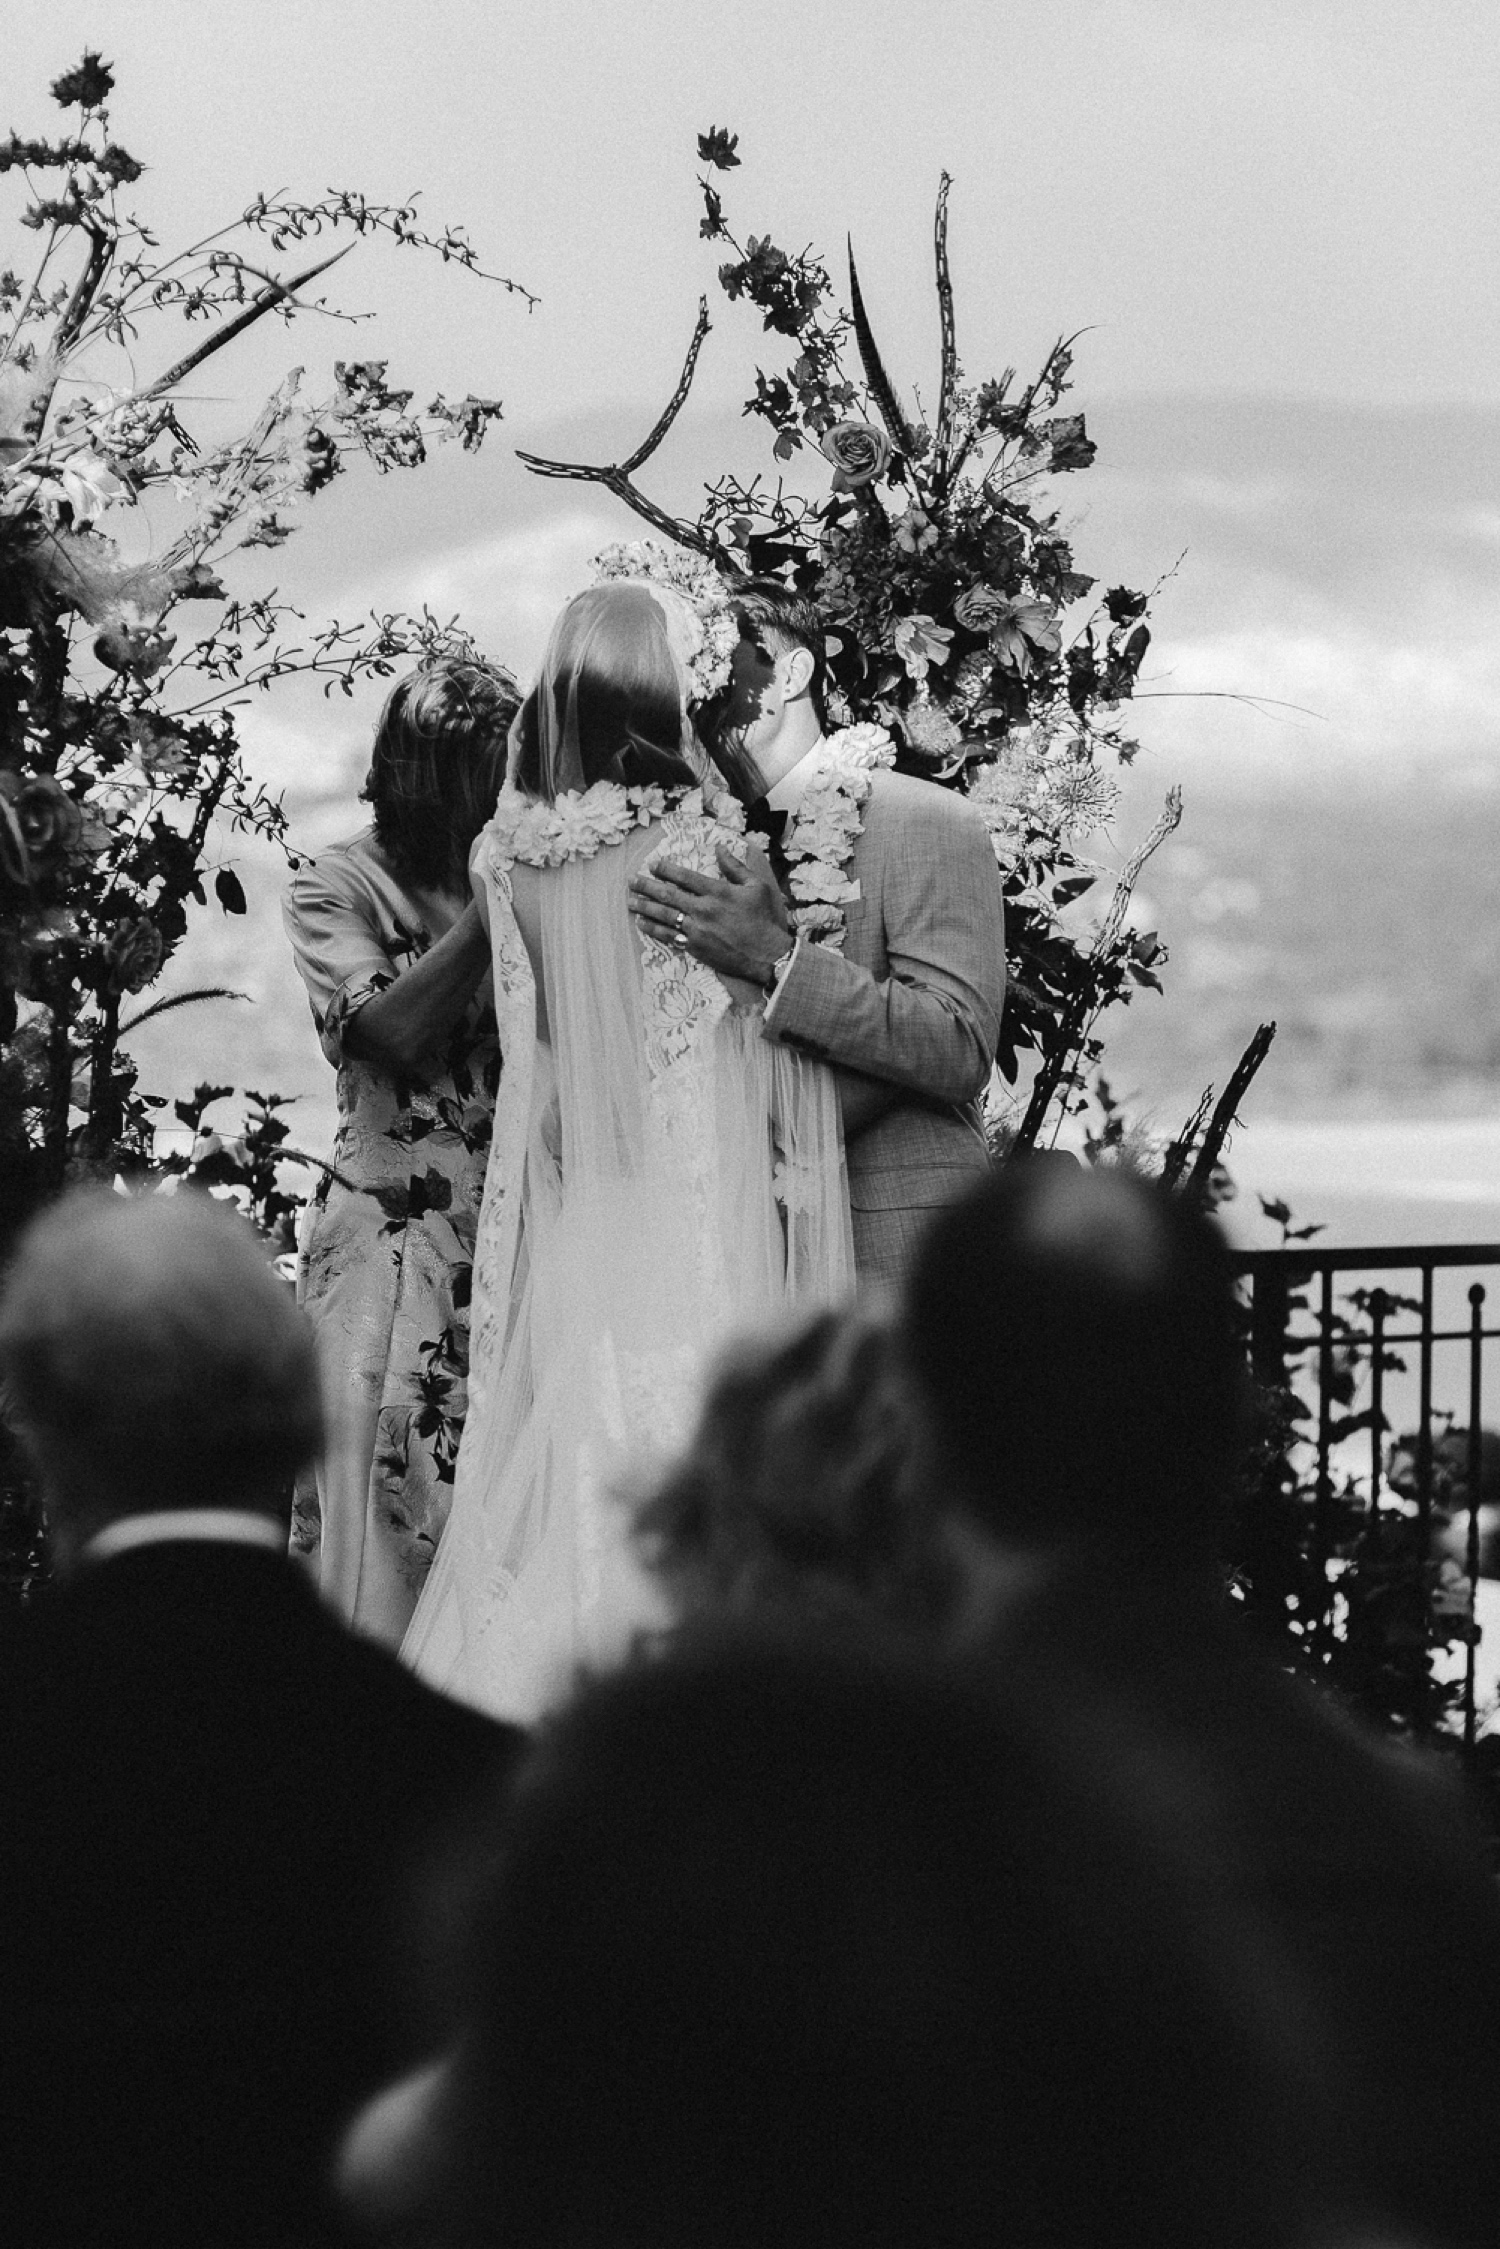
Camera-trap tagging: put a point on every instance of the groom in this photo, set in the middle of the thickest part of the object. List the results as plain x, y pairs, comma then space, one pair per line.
909, 1013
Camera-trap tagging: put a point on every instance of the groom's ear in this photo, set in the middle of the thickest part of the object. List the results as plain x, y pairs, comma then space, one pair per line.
800, 665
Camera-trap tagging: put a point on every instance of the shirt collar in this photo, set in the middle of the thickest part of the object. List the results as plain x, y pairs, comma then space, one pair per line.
204, 1526
793, 786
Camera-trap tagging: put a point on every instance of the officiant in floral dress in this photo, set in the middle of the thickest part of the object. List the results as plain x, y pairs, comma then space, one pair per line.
396, 963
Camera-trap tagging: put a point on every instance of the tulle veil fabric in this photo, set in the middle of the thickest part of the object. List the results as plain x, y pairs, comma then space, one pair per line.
660, 1176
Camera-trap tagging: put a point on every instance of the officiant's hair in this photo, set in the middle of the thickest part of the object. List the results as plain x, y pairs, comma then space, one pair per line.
615, 692
801, 1491
819, 1943
151, 1358
1072, 1331
788, 620
437, 764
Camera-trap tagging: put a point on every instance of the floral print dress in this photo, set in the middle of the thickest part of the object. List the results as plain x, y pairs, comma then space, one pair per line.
387, 1245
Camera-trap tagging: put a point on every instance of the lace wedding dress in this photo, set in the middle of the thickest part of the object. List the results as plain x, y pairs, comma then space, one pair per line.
661, 1176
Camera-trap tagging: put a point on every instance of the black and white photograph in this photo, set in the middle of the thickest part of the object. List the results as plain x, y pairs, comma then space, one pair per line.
750, 1125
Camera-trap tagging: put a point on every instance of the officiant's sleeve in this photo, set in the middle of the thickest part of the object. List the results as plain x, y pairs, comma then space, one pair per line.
931, 1022
333, 923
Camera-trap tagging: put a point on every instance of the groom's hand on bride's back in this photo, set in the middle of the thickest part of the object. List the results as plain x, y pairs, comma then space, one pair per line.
735, 922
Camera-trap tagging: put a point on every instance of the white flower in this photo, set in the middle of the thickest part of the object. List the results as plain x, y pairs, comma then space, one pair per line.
867, 746
817, 921
714, 626
814, 883
90, 485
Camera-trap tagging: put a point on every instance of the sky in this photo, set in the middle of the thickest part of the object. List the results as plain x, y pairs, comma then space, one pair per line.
1289, 197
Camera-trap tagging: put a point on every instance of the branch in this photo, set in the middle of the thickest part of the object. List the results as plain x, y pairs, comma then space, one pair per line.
277, 293
1175, 1161
616, 478
1229, 1100
1081, 1011
949, 375
101, 249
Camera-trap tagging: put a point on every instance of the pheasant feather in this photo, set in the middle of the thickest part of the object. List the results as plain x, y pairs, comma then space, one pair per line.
881, 388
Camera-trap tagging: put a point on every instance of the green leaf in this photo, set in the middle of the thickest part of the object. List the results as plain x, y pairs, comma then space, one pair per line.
229, 891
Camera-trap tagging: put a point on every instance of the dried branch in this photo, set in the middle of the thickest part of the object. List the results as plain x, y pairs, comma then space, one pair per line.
1224, 1114
616, 477
75, 312
1082, 1010
1175, 1161
948, 379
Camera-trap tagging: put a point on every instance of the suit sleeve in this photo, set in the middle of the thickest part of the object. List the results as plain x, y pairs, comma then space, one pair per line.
933, 1023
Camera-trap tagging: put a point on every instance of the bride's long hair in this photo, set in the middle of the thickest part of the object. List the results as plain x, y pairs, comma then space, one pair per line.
609, 702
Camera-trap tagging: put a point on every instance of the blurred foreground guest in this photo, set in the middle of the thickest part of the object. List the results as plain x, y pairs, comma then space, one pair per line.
794, 1948
801, 1492
1072, 1333
209, 1790
396, 962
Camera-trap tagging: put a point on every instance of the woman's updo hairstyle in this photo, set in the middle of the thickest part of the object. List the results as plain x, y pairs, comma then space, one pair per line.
437, 764
609, 703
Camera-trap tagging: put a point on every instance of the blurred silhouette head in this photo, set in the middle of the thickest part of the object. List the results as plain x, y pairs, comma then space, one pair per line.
800, 1491
820, 1947
151, 1359
1071, 1332
610, 703
437, 763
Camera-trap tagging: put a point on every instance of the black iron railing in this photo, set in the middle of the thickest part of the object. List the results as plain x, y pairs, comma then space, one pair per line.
1384, 1352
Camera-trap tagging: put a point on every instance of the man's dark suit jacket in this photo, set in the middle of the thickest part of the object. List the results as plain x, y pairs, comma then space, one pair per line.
211, 1799
1356, 1862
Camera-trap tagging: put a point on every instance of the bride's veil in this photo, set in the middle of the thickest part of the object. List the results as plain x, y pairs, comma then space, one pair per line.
660, 1175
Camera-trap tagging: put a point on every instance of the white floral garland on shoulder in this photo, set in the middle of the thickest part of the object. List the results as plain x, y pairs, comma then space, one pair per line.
828, 823
819, 842
580, 823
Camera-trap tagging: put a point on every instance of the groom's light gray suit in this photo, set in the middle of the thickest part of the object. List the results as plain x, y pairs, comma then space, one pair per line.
914, 1000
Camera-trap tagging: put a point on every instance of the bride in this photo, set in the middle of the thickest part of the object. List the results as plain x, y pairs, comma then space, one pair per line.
660, 1173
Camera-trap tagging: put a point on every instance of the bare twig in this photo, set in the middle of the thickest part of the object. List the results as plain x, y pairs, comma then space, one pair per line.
1078, 1017
1224, 1117
1175, 1161
617, 477
949, 375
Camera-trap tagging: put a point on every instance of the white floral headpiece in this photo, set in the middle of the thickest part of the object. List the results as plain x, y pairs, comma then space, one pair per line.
703, 603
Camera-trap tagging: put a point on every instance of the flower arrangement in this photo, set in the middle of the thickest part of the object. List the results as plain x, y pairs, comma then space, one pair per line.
122, 655
957, 620
703, 604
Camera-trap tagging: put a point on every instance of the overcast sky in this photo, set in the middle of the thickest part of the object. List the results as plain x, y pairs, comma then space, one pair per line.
1279, 197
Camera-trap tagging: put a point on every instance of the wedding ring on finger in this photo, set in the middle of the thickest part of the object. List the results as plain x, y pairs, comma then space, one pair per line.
681, 936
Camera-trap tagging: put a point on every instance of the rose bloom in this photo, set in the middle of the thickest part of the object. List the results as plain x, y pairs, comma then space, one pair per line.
859, 453
135, 955
47, 820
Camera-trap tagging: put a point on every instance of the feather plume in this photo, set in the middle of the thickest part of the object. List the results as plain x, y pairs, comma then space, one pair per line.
881, 389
